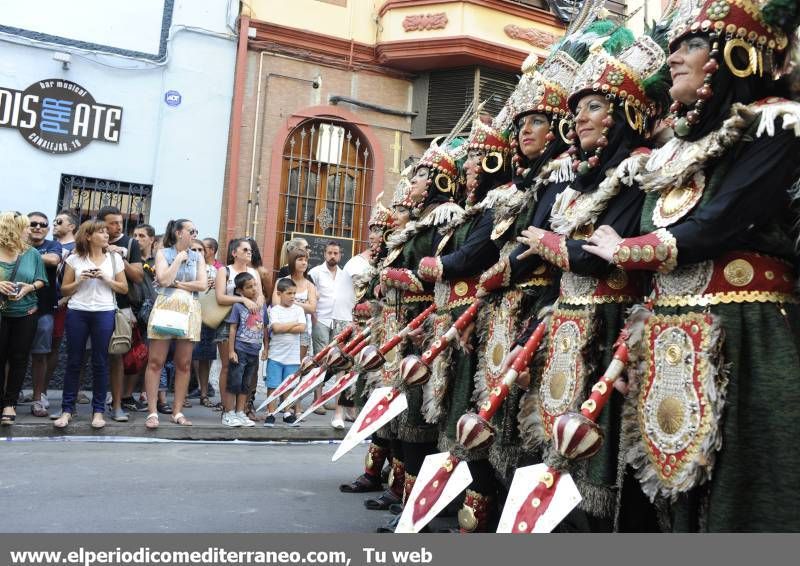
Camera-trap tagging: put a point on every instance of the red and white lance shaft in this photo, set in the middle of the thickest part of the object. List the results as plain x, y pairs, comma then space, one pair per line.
413, 370
368, 353
416, 369
575, 436
307, 365
345, 381
373, 357
317, 377
452, 333
415, 323
336, 357
342, 358
474, 430
338, 339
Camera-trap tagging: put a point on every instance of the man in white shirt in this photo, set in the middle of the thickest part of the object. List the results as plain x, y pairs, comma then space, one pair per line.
335, 297
335, 301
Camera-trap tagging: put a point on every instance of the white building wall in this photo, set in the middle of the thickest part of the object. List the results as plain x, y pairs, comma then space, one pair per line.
181, 150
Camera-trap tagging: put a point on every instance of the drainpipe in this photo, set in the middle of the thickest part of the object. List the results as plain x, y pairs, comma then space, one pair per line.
236, 126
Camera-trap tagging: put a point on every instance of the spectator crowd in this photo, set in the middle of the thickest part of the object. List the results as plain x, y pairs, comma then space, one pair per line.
149, 313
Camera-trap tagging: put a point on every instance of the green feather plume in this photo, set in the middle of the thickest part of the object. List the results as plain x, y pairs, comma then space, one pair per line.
621, 39
577, 46
783, 14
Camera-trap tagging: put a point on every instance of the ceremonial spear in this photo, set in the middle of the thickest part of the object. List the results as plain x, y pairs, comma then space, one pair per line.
371, 358
445, 475
337, 359
307, 365
576, 436
386, 403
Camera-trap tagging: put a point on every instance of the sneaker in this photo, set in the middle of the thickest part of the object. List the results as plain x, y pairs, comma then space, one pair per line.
338, 424
38, 410
193, 394
289, 418
269, 421
129, 403
25, 397
244, 420
43, 401
211, 390
230, 419
119, 415
83, 399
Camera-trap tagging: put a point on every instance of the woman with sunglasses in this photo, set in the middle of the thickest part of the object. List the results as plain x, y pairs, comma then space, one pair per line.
178, 268
239, 261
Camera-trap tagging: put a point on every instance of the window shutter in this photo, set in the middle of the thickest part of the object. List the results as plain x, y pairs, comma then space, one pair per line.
495, 88
449, 94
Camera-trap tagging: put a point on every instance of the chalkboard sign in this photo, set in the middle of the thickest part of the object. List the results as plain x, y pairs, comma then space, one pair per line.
316, 247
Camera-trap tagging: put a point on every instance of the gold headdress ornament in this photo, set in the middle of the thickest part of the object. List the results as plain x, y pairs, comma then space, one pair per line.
403, 188
381, 217
544, 86
631, 74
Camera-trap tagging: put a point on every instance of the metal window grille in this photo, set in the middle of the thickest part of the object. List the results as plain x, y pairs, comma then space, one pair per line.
327, 177
85, 196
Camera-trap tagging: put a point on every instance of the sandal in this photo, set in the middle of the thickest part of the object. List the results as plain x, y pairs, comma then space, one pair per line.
362, 484
206, 402
98, 421
187, 404
164, 408
217, 408
7, 419
151, 421
382, 502
180, 419
63, 420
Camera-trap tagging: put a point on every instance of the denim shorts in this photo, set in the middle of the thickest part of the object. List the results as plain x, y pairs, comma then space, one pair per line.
43, 339
241, 376
277, 372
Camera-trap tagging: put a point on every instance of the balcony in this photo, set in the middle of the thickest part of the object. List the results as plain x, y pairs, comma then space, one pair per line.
421, 35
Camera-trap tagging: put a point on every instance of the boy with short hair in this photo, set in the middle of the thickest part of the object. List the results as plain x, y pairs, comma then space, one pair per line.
287, 321
247, 334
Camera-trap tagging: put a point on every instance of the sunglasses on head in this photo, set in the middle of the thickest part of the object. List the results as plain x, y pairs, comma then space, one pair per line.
39, 224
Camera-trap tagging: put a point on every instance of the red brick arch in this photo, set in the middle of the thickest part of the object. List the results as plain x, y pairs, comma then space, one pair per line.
273, 193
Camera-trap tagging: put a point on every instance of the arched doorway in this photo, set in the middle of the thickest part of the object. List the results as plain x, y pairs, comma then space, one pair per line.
326, 180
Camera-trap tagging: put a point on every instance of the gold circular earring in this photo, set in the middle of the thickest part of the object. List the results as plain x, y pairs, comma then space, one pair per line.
448, 188
633, 116
752, 57
498, 165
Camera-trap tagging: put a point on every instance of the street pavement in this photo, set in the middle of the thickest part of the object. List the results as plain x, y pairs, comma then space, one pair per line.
70, 485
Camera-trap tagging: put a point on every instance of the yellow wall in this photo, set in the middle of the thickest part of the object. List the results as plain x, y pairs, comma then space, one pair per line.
359, 20
462, 19
355, 21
